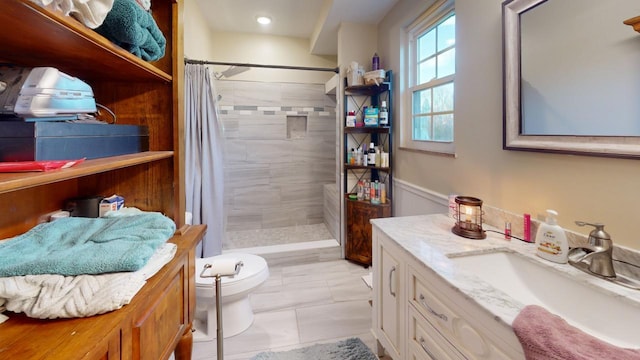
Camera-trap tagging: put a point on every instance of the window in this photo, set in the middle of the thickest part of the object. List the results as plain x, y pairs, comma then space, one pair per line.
427, 113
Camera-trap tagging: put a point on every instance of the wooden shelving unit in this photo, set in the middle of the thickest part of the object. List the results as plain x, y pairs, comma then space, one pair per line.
159, 318
357, 212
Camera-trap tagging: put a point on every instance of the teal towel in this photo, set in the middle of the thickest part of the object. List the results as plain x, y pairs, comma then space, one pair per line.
133, 29
75, 246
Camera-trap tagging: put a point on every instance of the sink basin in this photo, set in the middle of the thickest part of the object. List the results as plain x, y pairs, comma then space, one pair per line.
598, 312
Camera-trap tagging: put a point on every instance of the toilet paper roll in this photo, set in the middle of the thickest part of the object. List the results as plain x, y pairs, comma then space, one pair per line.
224, 267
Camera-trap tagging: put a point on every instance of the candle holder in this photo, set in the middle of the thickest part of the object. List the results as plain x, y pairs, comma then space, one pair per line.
468, 215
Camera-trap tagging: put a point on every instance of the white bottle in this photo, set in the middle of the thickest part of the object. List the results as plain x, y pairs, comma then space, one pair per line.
551, 242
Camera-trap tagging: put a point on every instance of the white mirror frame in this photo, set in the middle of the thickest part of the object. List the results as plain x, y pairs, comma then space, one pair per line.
513, 139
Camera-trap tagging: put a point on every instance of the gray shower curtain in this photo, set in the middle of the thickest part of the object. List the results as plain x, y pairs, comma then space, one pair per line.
204, 181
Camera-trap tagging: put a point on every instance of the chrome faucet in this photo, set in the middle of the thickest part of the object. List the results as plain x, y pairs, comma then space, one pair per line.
598, 253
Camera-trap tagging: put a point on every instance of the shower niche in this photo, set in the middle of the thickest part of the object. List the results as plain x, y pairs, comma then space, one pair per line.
296, 127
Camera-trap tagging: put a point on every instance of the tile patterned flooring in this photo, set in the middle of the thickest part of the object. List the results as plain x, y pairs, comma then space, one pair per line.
300, 305
275, 236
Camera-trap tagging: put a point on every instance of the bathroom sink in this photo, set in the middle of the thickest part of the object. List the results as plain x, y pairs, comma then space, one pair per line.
595, 311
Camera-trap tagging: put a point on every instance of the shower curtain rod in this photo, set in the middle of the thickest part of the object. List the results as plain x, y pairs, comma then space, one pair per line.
203, 62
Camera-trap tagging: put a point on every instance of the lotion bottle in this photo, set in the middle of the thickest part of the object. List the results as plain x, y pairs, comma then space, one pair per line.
551, 242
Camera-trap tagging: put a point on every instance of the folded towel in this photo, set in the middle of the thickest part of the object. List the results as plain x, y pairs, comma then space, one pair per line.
545, 336
129, 26
90, 12
57, 296
76, 246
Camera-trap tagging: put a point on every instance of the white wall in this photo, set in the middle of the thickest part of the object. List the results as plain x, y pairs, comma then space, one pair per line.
580, 188
196, 33
201, 43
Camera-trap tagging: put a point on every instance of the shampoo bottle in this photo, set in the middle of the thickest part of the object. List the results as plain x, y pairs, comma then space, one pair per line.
551, 242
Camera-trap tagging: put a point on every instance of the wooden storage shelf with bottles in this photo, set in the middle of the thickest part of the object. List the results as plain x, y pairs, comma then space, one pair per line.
358, 240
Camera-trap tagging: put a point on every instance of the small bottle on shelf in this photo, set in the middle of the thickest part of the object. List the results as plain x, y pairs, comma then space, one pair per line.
375, 193
371, 161
383, 114
351, 119
367, 191
378, 157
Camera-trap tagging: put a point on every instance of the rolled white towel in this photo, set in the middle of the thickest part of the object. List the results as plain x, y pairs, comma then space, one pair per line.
90, 12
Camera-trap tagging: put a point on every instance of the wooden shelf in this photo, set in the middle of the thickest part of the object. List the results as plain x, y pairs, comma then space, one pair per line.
17, 181
367, 89
366, 130
363, 167
72, 47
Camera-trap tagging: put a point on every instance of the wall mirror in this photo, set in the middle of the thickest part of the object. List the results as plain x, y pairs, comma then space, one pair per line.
571, 77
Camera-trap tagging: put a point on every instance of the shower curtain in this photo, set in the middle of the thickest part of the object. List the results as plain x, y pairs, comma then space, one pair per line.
204, 181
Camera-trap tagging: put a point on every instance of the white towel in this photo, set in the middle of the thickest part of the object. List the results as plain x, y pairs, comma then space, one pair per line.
90, 12
57, 296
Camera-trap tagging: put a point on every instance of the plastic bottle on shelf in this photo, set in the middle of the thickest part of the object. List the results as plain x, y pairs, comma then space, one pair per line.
383, 114
359, 156
378, 157
351, 119
375, 62
352, 157
371, 161
375, 193
367, 191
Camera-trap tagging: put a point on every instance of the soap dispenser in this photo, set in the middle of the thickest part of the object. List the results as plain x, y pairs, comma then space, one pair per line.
551, 242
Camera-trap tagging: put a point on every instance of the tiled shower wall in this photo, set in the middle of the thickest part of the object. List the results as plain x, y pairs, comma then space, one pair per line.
275, 173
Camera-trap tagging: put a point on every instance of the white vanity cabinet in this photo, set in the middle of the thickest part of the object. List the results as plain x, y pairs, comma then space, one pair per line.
388, 299
439, 322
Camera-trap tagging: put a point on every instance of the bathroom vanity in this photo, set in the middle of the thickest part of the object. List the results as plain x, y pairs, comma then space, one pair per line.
429, 305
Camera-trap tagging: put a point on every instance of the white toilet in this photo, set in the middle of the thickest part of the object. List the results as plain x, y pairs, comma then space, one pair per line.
237, 314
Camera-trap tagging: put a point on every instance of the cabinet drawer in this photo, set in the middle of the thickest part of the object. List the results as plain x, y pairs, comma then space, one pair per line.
160, 327
425, 342
430, 300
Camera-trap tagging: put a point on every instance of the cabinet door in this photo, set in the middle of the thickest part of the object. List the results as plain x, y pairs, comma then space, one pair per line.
358, 244
388, 299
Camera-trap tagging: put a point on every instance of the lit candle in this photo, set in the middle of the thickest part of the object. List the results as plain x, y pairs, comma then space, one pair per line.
468, 212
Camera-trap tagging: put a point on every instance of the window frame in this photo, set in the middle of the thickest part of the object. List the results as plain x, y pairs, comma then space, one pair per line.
432, 17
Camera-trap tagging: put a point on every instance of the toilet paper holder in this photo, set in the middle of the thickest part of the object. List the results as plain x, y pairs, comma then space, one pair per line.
227, 268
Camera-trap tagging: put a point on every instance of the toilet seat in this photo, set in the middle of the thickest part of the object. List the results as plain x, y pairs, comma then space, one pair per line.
253, 273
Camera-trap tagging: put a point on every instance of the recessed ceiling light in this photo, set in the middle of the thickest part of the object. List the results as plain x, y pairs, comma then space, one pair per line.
264, 20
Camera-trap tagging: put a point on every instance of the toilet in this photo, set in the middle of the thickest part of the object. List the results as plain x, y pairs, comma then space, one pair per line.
237, 314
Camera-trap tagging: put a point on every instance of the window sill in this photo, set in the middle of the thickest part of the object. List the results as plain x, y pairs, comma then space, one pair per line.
430, 152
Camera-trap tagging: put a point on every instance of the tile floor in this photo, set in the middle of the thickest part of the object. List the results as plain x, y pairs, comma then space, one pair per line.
300, 305
275, 236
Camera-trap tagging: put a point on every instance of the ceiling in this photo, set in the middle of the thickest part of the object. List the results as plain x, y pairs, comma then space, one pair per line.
316, 20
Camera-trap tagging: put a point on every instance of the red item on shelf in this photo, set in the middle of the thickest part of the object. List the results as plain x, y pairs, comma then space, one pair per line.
45, 165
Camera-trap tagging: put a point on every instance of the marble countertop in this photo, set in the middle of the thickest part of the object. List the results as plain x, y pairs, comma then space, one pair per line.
428, 239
